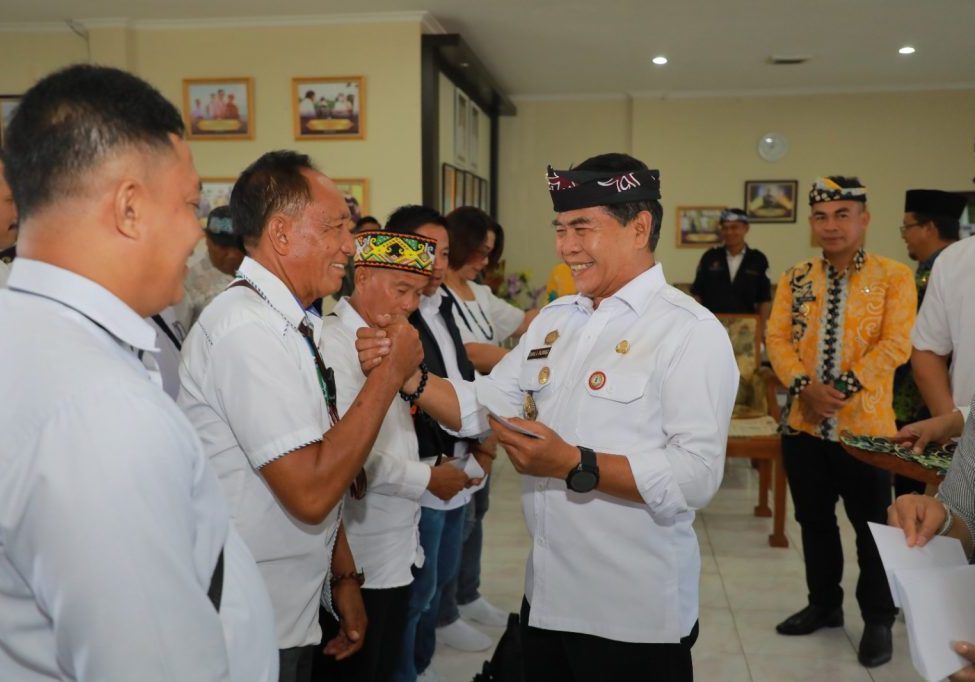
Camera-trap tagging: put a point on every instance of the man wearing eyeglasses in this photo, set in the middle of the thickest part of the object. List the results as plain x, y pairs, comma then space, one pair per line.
930, 225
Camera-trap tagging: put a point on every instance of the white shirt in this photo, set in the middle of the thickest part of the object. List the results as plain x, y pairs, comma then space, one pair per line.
601, 565
202, 284
4, 274
163, 364
734, 261
249, 385
486, 319
946, 321
472, 425
111, 519
381, 527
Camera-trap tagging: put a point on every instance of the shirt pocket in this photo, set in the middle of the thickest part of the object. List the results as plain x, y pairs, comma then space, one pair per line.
614, 410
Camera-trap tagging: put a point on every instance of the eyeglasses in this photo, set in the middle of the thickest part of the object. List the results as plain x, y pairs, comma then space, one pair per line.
905, 228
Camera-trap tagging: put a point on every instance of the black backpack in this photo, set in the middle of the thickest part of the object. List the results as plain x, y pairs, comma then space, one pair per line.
505, 663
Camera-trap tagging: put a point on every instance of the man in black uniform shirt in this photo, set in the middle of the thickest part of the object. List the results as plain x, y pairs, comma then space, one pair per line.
733, 278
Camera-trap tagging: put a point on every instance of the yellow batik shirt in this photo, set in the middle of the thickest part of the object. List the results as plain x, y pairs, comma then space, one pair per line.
849, 329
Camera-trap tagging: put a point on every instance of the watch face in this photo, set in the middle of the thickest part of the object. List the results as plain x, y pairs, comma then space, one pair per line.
582, 481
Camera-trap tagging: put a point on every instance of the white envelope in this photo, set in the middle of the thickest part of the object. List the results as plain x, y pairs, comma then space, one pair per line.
939, 552
939, 606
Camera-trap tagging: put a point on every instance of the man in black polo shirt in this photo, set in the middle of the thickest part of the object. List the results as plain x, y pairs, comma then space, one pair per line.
733, 278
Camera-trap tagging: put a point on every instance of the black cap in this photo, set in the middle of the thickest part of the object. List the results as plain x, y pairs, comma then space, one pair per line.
934, 202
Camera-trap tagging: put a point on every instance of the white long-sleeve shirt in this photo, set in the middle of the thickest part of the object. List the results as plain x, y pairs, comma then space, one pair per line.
649, 375
111, 519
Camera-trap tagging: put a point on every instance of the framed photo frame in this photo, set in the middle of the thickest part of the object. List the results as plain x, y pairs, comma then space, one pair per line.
356, 191
697, 226
218, 108
213, 192
462, 107
329, 107
771, 201
448, 188
8, 105
474, 140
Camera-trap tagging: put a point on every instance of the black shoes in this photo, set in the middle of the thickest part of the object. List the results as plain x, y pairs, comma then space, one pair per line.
876, 646
811, 619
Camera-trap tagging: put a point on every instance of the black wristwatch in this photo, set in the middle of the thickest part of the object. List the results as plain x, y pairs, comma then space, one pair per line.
584, 477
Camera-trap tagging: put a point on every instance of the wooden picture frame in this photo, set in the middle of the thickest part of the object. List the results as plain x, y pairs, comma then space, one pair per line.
697, 226
771, 201
329, 107
8, 105
218, 108
214, 192
448, 188
356, 189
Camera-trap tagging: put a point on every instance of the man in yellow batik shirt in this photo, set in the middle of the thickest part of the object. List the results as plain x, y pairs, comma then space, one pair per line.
840, 325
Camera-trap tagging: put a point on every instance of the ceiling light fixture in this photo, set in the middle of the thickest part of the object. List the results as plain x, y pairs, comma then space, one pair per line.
907, 49
659, 60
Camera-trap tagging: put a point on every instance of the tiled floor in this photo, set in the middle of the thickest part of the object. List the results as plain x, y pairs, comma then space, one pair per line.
746, 588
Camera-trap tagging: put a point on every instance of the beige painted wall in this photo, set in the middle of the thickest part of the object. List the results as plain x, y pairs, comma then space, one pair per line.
389, 156
705, 150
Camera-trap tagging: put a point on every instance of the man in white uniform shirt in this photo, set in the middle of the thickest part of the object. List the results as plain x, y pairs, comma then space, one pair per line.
391, 270
117, 557
257, 390
8, 224
629, 387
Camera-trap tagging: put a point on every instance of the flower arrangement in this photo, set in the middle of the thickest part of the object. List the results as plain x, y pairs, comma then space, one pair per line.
515, 288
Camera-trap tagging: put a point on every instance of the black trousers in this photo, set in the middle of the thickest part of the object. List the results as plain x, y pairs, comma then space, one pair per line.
551, 655
376, 660
819, 473
296, 664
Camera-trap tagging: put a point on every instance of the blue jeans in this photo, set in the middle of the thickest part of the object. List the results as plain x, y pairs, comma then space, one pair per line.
440, 537
464, 589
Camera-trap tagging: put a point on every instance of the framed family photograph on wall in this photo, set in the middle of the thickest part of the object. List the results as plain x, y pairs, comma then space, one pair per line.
356, 190
329, 107
771, 201
218, 108
8, 105
213, 192
698, 226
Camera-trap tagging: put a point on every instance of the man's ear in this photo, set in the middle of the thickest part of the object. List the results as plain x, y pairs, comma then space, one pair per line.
642, 229
129, 207
279, 234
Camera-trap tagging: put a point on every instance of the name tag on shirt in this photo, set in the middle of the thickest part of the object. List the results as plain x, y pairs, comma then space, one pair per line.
537, 353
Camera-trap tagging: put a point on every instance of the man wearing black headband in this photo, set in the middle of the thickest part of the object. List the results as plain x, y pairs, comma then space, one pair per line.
616, 406
733, 277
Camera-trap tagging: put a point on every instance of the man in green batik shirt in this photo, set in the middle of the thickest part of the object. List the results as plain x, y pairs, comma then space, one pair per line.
931, 222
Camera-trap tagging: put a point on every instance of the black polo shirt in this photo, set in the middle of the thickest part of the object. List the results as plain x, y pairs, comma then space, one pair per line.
719, 294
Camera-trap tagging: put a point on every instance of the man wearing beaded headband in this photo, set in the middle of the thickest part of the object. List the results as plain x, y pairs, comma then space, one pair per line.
391, 271
629, 366
256, 387
733, 277
839, 327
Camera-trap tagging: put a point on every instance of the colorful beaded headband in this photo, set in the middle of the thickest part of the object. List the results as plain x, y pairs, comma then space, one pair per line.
408, 252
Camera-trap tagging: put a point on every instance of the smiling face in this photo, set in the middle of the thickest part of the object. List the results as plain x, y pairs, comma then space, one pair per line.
733, 234
8, 214
320, 241
839, 226
602, 254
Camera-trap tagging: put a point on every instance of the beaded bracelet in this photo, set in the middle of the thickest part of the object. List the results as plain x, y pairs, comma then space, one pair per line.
847, 383
358, 576
798, 384
412, 397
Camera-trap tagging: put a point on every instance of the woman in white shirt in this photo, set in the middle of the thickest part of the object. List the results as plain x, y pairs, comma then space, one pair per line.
484, 322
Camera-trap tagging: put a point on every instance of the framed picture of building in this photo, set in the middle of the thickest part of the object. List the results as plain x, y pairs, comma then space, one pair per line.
218, 108
356, 191
771, 201
329, 107
698, 226
213, 192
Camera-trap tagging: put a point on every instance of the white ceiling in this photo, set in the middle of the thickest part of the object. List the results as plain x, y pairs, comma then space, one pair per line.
583, 47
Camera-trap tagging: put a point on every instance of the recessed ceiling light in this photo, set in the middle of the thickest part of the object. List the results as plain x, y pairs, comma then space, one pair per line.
907, 49
659, 60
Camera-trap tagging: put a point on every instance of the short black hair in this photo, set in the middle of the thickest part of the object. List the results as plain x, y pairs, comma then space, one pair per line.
949, 229
468, 227
272, 184
625, 213
407, 219
72, 120
367, 220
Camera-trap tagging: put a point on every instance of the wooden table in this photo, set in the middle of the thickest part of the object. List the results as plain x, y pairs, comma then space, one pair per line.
767, 452
895, 465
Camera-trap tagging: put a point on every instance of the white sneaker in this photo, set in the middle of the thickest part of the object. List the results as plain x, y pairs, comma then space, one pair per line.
484, 612
428, 675
464, 637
